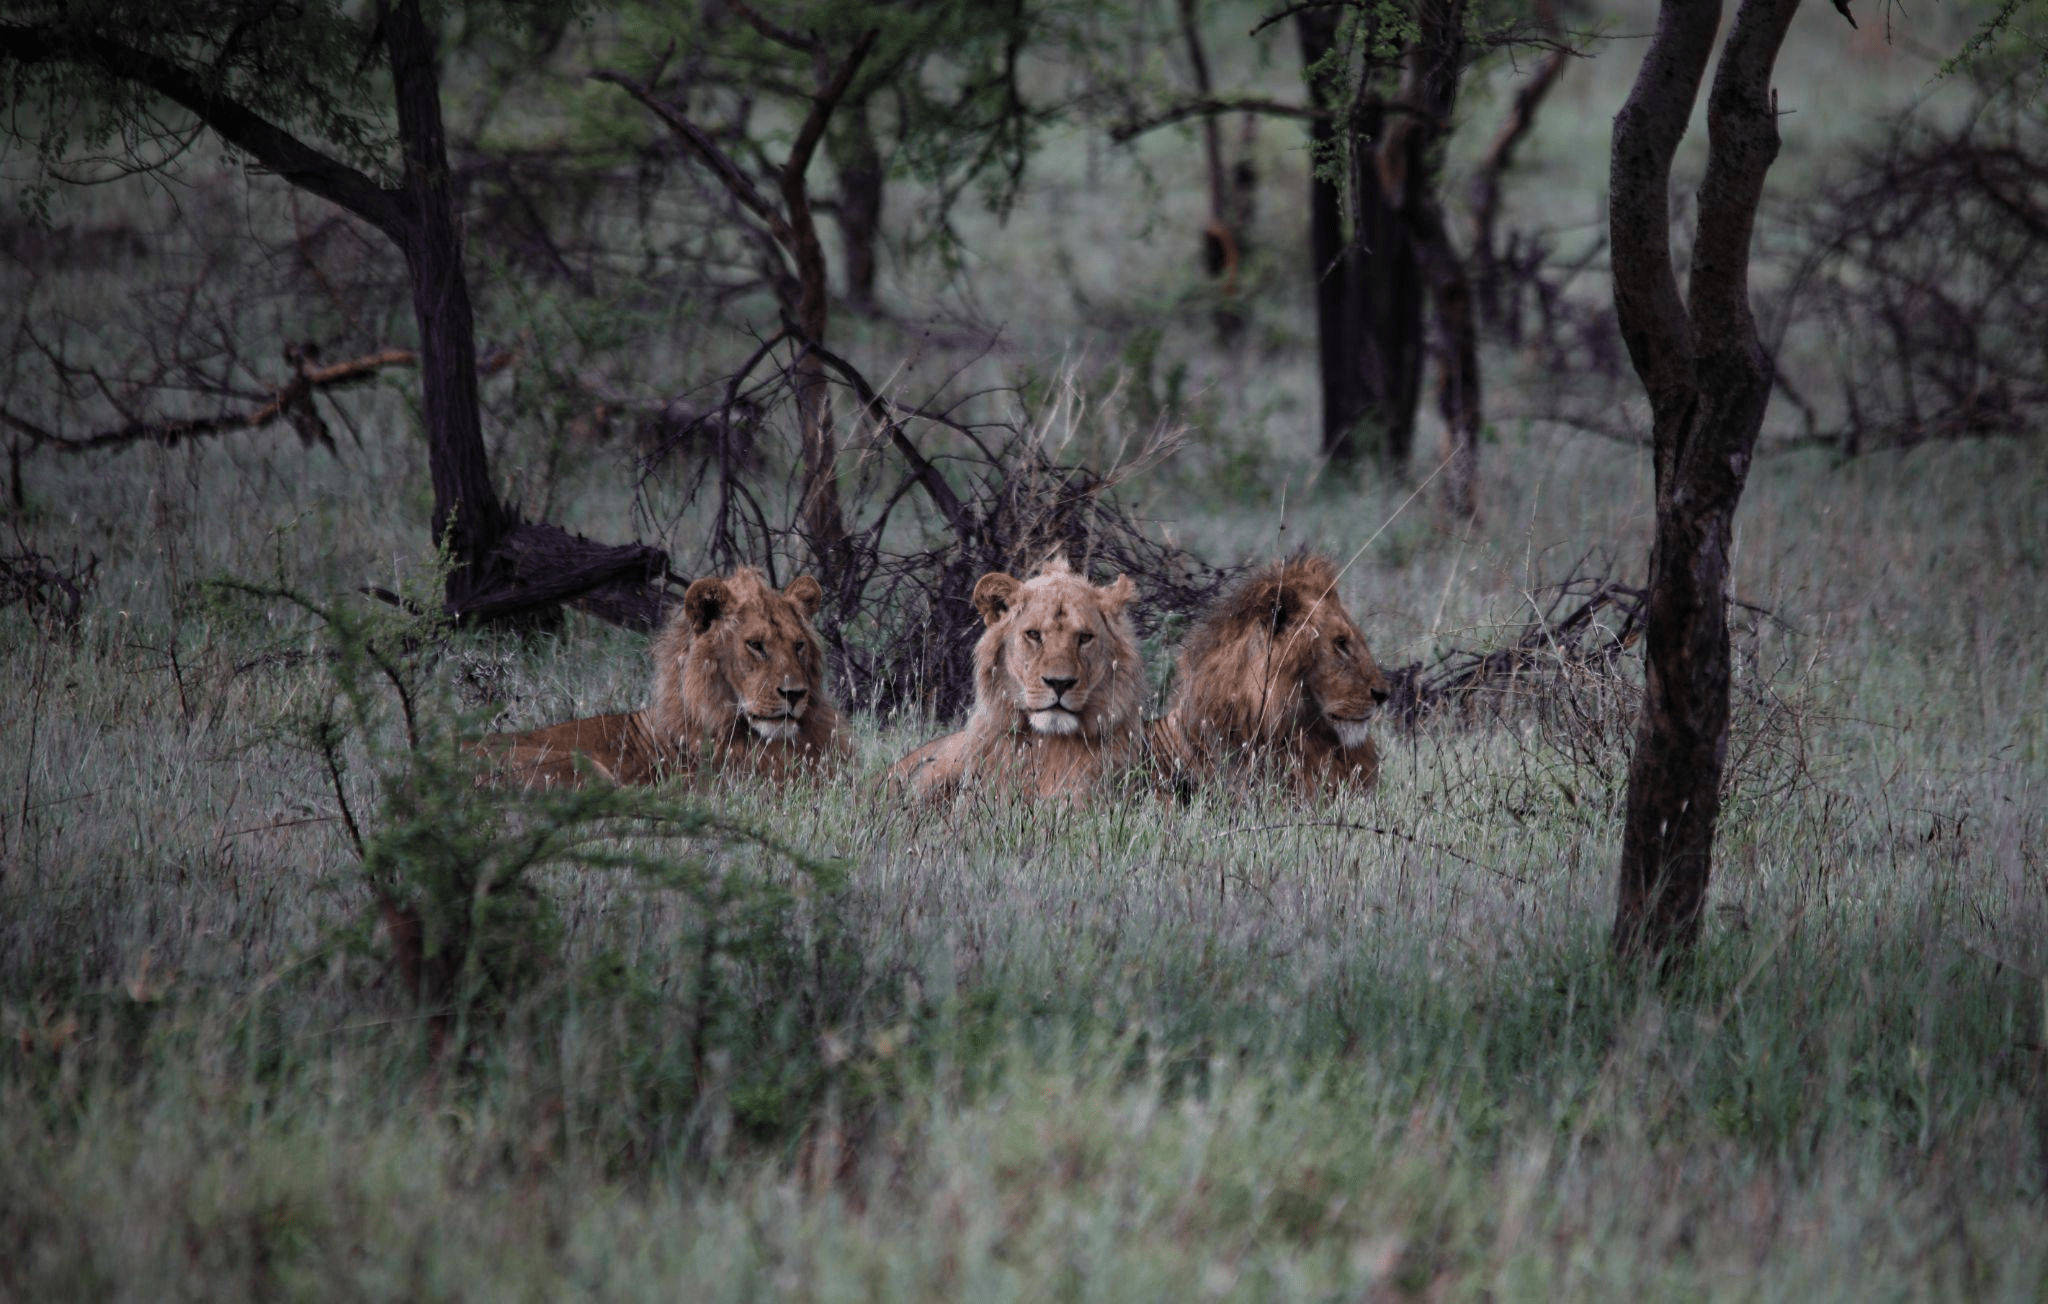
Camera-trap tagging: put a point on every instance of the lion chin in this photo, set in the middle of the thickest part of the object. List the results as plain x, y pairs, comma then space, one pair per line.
780, 729
1351, 733
1055, 720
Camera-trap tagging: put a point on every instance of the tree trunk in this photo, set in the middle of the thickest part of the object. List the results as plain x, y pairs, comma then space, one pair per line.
1344, 402
1456, 344
1369, 287
419, 216
1484, 195
819, 502
468, 518
1435, 63
1708, 381
858, 161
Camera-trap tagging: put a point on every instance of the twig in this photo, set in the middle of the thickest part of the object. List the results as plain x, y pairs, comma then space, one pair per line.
1210, 106
1348, 826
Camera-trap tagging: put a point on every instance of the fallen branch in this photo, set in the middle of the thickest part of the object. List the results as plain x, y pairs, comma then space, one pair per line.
292, 401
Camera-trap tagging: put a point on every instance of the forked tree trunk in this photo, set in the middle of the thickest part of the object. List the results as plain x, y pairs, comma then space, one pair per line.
1707, 379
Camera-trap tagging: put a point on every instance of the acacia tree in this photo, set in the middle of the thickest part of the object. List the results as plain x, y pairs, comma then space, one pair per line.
1707, 378
285, 87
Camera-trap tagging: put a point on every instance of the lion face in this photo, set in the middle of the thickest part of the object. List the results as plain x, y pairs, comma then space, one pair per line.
1278, 669
1340, 681
1058, 650
741, 651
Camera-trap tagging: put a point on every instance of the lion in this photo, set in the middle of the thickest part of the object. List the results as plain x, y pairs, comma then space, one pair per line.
1057, 690
1275, 680
738, 686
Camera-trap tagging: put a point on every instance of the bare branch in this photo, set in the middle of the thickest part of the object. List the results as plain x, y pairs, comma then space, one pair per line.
721, 164
775, 32
1210, 106
266, 142
1646, 134
283, 403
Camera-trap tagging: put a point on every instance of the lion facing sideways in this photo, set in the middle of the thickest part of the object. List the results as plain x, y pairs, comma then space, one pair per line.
738, 686
1057, 690
1275, 680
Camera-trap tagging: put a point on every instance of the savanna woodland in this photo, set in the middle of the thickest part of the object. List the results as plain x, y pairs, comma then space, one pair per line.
1663, 385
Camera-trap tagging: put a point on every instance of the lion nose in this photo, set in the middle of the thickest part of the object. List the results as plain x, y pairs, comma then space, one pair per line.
1058, 686
794, 695
1380, 695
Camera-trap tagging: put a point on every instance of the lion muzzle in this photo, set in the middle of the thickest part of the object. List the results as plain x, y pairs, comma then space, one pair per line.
1352, 733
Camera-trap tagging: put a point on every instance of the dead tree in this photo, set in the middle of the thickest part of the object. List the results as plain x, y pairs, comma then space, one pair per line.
1708, 380
790, 226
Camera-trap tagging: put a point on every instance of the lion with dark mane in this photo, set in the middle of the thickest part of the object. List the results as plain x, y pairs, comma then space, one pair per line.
1057, 690
738, 687
1275, 681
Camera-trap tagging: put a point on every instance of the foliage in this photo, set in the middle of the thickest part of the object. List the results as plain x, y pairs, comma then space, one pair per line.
454, 862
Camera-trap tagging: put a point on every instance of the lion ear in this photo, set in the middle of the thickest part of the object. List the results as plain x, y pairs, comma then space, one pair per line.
806, 593
1117, 594
993, 595
705, 601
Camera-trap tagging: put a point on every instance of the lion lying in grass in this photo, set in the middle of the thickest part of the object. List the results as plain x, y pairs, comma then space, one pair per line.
1275, 681
738, 687
1057, 690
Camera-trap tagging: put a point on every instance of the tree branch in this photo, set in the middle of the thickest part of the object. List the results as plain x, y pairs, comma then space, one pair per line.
299, 389
774, 31
1208, 106
927, 475
822, 104
729, 173
1742, 142
1647, 303
238, 125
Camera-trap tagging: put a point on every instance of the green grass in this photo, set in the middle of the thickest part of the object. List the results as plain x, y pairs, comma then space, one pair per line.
1246, 1049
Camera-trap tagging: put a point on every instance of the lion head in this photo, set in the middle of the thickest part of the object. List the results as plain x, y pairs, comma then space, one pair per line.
1059, 655
1278, 671
1057, 686
738, 682
740, 662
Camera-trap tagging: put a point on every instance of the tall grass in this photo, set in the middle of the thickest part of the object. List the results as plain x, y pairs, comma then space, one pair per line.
1363, 1048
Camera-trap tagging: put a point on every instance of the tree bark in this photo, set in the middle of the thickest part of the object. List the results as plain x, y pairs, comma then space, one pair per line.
1435, 65
468, 517
1369, 284
807, 308
419, 216
1484, 194
1708, 381
858, 160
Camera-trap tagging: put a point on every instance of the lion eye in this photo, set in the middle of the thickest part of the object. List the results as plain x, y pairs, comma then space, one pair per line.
801, 644
1034, 636
1343, 646
1084, 638
755, 646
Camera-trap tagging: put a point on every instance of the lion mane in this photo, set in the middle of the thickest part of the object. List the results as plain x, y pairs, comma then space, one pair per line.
1275, 681
738, 687
1058, 689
